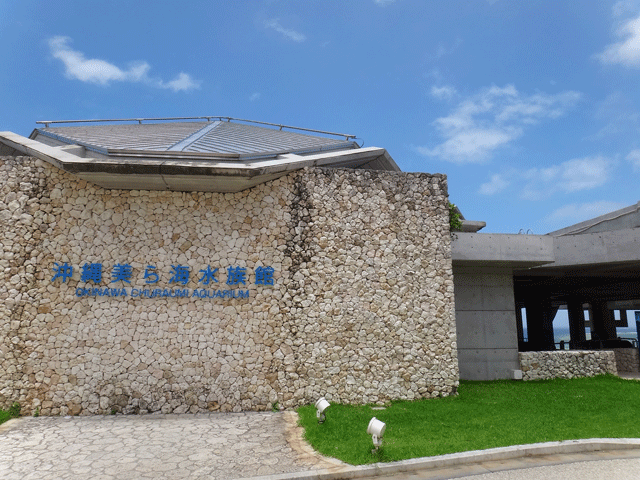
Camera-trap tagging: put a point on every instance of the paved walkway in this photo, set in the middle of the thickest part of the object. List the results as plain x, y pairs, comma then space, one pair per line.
600, 465
207, 446
266, 446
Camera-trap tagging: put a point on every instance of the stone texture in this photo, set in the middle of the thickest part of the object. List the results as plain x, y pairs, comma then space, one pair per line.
566, 364
361, 309
210, 446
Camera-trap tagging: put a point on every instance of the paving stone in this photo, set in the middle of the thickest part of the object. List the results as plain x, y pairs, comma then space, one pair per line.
151, 446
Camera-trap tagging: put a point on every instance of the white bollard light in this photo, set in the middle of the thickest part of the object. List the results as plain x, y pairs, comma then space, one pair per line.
321, 406
376, 429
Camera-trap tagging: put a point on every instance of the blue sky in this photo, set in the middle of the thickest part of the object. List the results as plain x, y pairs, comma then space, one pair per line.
531, 108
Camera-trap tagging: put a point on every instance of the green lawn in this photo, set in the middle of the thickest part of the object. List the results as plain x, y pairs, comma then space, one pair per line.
483, 415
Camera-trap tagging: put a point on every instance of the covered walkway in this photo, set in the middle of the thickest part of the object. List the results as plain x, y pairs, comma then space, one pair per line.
595, 276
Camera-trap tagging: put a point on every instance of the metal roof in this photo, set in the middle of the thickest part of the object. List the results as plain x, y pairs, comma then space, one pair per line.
627, 217
101, 138
214, 154
215, 137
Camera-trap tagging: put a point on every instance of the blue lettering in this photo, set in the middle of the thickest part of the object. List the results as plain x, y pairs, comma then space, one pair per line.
155, 293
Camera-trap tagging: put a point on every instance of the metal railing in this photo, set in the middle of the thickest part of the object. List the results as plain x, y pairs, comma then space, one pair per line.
208, 118
564, 345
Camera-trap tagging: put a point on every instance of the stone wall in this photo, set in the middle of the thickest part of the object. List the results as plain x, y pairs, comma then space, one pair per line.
566, 364
360, 310
627, 359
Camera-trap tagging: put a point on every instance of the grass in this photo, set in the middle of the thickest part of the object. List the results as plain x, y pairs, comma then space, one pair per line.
13, 412
483, 415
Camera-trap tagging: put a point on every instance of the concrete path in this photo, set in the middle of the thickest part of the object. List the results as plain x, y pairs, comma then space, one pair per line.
266, 446
601, 465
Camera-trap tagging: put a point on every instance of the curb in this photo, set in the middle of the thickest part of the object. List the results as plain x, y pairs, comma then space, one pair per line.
9, 424
345, 471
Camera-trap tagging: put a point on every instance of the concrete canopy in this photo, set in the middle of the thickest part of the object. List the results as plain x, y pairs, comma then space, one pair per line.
593, 265
206, 156
598, 258
596, 267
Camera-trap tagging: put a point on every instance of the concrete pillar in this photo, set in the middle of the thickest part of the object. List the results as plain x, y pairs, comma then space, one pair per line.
602, 321
540, 324
576, 322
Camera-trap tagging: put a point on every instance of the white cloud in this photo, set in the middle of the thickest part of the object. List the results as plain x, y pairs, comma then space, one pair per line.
470, 145
578, 212
436, 74
584, 173
492, 118
446, 92
182, 82
497, 183
634, 159
93, 70
443, 50
290, 34
623, 7
620, 115
254, 96
568, 177
101, 72
627, 50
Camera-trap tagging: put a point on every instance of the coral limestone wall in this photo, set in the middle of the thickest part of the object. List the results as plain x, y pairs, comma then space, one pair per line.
566, 364
324, 282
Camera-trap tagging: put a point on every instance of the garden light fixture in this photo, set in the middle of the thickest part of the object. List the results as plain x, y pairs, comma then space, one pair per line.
376, 429
321, 406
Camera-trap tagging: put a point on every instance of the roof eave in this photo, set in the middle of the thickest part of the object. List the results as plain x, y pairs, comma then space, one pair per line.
152, 171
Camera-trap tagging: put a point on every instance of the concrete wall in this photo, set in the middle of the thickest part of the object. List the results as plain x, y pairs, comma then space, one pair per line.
501, 250
360, 310
597, 248
627, 359
486, 323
